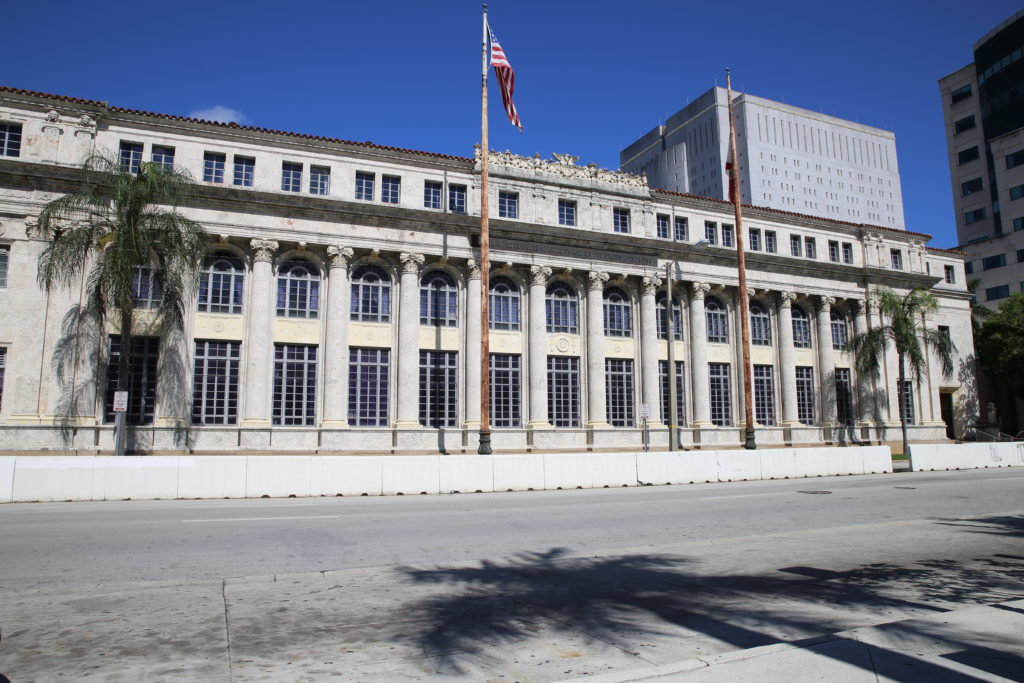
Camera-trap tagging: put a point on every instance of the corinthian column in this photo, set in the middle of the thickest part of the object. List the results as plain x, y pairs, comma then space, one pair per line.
409, 343
649, 348
787, 360
863, 387
826, 361
538, 348
597, 401
260, 336
335, 353
473, 342
699, 356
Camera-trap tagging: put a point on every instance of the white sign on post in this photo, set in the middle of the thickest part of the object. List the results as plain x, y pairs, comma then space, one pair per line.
645, 411
120, 401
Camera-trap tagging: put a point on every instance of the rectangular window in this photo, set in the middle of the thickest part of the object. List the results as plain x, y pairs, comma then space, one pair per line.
432, 194
618, 383
1018, 224
141, 385
969, 154
907, 401
5, 257
960, 94
620, 220
661, 221
10, 139
805, 395
245, 171
564, 391
566, 212
215, 383
368, 377
964, 124
968, 267
971, 186
681, 225
439, 384
390, 189
719, 394
1015, 159
770, 242
896, 259
505, 390
950, 273
680, 392
364, 186
990, 262
1020, 259
131, 156
1000, 292
844, 396
727, 234
755, 239
213, 167
291, 177
711, 232
3, 369
847, 253
457, 198
319, 180
974, 216
294, 385
833, 251
508, 205
810, 247
795, 245
145, 288
163, 157
764, 395
1016, 192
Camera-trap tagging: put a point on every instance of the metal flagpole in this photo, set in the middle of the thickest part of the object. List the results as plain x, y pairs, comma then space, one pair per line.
734, 192
485, 264
673, 398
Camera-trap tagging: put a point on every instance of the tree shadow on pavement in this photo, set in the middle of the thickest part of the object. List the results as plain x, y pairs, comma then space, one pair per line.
1002, 525
625, 601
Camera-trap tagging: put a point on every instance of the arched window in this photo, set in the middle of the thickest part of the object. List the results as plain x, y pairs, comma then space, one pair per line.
717, 321
801, 329
760, 326
504, 304
618, 315
677, 318
560, 305
840, 332
371, 295
298, 289
221, 284
439, 302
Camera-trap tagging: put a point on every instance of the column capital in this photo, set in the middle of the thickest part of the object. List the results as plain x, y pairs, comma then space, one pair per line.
539, 275
411, 263
340, 256
700, 289
825, 303
751, 292
651, 284
858, 305
786, 299
263, 250
472, 269
597, 280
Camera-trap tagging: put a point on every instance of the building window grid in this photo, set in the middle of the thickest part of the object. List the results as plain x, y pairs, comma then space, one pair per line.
457, 199
294, 401
833, 251
143, 363
717, 322
805, 395
906, 401
727, 235
215, 382
10, 139
840, 330
755, 239
618, 382
810, 248
365, 186
711, 232
564, 391
439, 300
5, 258
661, 224
566, 212
561, 310
847, 253
764, 395
368, 383
801, 328
681, 228
131, 156
677, 318
439, 384
213, 167
618, 317
319, 180
844, 396
508, 204
245, 171
503, 307
720, 394
432, 194
390, 189
760, 325
298, 290
291, 177
620, 220
221, 285
896, 259
505, 388
371, 295
770, 242
680, 392
163, 157
949, 273
795, 244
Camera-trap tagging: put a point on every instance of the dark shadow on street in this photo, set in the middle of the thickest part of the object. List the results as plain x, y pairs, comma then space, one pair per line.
1002, 525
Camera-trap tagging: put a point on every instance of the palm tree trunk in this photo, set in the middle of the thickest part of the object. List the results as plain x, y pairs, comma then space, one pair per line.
903, 413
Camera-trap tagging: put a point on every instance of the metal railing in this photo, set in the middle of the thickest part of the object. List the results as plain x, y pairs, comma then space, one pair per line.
989, 434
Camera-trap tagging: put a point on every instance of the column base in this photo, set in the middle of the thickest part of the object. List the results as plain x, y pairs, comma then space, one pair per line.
25, 420
405, 424
599, 424
654, 424
471, 424
540, 425
703, 425
334, 424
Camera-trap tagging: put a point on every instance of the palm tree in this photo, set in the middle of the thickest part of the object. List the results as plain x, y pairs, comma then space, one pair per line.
122, 230
903, 325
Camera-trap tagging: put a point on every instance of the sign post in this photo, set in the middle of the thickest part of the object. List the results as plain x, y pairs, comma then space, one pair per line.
120, 409
645, 415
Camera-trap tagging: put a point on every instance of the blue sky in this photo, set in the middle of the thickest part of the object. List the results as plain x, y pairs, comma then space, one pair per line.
590, 76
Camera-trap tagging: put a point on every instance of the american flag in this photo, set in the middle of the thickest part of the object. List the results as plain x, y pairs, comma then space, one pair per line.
506, 79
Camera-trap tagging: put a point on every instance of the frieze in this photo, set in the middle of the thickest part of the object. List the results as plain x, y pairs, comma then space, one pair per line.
573, 252
562, 165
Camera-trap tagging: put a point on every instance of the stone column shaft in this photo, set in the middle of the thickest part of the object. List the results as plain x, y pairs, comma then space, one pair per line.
473, 342
863, 387
407, 389
649, 348
597, 403
335, 353
787, 359
826, 361
260, 337
538, 348
701, 402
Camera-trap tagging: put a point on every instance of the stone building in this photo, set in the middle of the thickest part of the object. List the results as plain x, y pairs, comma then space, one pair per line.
338, 310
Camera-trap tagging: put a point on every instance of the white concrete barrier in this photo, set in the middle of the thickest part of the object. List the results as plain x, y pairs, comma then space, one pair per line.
613, 469
351, 475
778, 463
211, 476
812, 462
698, 467
281, 476
54, 477
845, 461
411, 474
567, 470
741, 465
932, 456
659, 468
136, 477
518, 472
466, 474
877, 459
7, 478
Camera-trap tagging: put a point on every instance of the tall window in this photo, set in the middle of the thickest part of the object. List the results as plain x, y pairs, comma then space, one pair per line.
505, 390
508, 204
3, 369
371, 295
245, 171
145, 288
727, 234
221, 285
844, 396
661, 222
896, 257
215, 383
618, 385
294, 385
680, 393
950, 274
457, 198
163, 157
142, 371
10, 139
504, 304
566, 212
561, 310
801, 328
847, 253
680, 229
439, 300
770, 242
432, 194
907, 400
364, 186
213, 167
677, 318
291, 177
319, 180
719, 394
805, 395
390, 189
760, 325
711, 232
618, 318
5, 257
564, 391
368, 377
833, 251
439, 384
840, 330
298, 290
810, 248
131, 156
764, 395
795, 245
755, 239
717, 322
620, 220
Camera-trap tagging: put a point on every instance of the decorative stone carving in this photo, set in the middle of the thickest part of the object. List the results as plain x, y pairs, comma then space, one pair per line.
87, 121
473, 269
340, 256
597, 280
539, 275
263, 250
411, 263
751, 292
858, 305
700, 289
786, 299
825, 303
53, 116
32, 230
562, 165
651, 284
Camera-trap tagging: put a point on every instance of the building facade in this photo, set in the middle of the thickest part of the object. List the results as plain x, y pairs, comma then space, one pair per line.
338, 310
788, 158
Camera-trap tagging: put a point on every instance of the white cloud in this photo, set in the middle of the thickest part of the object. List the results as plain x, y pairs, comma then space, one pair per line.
219, 113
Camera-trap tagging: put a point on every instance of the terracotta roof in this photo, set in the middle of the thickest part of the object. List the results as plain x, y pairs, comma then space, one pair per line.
947, 251
234, 126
